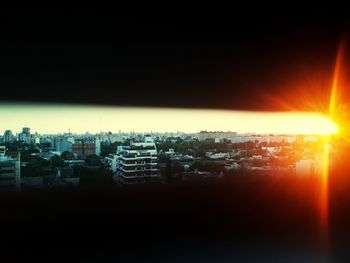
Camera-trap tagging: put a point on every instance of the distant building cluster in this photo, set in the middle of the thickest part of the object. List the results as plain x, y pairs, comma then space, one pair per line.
140, 158
216, 136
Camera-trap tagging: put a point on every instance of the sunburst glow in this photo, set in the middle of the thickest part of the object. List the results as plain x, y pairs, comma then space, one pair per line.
338, 110
332, 100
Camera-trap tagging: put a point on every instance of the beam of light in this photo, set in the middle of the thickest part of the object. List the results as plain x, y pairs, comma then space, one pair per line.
59, 118
339, 107
332, 100
323, 201
335, 96
334, 112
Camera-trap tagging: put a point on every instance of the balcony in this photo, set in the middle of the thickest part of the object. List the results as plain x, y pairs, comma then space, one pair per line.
138, 157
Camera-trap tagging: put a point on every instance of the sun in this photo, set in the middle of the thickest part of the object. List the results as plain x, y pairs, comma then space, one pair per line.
329, 127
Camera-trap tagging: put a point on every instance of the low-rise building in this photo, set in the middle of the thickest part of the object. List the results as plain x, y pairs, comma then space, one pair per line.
220, 155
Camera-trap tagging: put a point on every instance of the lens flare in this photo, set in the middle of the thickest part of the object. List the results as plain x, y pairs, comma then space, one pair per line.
337, 112
323, 200
325, 93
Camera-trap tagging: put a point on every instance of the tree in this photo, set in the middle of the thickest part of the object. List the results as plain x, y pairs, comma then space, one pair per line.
34, 167
168, 176
93, 160
57, 161
126, 142
162, 158
208, 166
176, 167
96, 179
46, 145
80, 170
108, 148
67, 155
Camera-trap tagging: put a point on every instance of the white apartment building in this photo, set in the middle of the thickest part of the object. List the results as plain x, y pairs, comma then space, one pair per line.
137, 163
111, 162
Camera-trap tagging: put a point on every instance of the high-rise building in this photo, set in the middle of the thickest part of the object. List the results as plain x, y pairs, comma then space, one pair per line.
8, 136
98, 147
86, 146
26, 130
62, 144
24, 135
137, 163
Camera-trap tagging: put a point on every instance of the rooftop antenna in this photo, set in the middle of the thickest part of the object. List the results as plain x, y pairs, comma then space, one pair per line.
100, 124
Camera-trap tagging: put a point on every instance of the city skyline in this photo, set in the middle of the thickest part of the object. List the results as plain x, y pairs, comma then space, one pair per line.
61, 118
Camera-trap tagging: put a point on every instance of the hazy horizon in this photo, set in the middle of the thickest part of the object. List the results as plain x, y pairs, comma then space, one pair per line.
61, 118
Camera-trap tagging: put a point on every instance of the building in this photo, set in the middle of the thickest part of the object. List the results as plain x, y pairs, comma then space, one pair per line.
72, 163
98, 147
137, 163
24, 136
111, 138
37, 140
86, 146
46, 140
111, 162
307, 167
216, 136
8, 136
170, 152
268, 138
26, 130
64, 172
10, 179
62, 144
300, 139
47, 155
212, 155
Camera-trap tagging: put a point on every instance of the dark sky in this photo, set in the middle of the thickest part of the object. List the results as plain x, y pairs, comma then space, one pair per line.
233, 59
